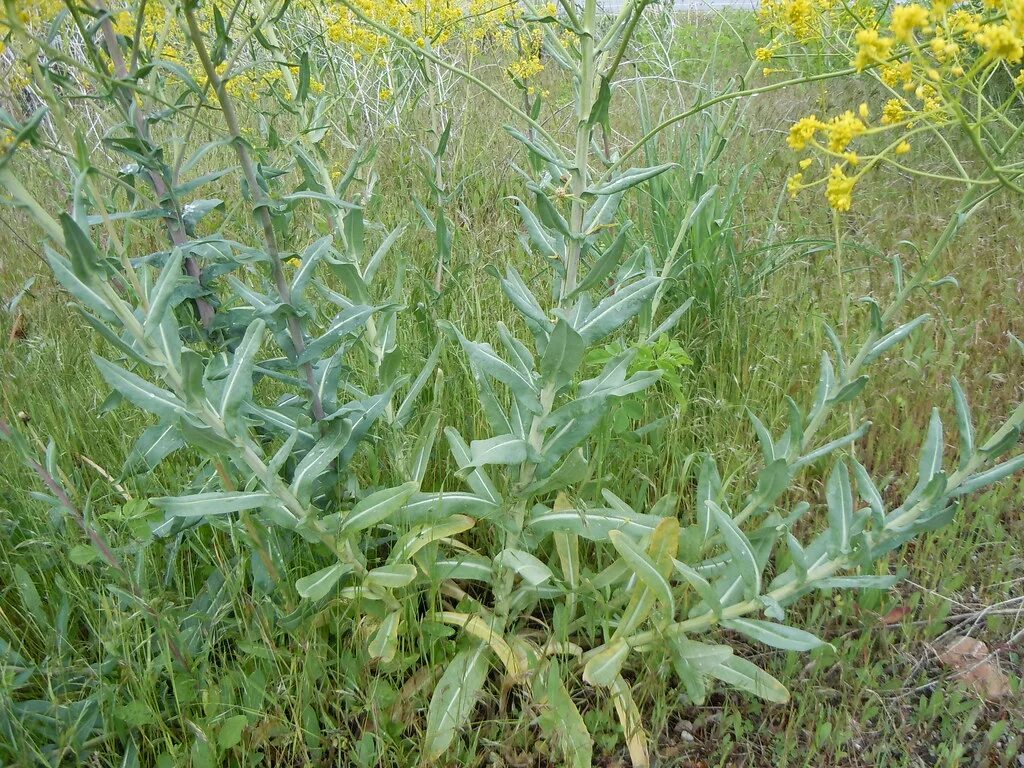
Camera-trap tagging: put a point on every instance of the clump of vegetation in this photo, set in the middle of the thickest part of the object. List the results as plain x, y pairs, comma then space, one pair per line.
298, 365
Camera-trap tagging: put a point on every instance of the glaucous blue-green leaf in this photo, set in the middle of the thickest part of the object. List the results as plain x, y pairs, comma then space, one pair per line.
503, 449
592, 524
160, 296
318, 458
644, 568
839, 498
604, 666
476, 478
993, 475
772, 634
347, 321
376, 508
701, 586
709, 488
529, 568
140, 392
84, 292
630, 178
740, 673
237, 386
615, 310
213, 503
606, 263
391, 576
893, 338
154, 445
317, 585
562, 356
454, 699
739, 547
563, 725
384, 643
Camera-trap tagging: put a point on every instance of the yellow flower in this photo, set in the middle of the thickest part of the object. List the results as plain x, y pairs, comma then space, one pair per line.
907, 18
1000, 42
764, 53
842, 130
806, 163
872, 48
839, 191
864, 111
385, 94
903, 147
803, 131
893, 112
852, 158
294, 262
794, 184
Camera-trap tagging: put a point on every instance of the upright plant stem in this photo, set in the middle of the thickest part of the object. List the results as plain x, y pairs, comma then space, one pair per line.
262, 209
173, 221
581, 159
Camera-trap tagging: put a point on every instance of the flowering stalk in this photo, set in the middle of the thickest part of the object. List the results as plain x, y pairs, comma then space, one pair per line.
262, 209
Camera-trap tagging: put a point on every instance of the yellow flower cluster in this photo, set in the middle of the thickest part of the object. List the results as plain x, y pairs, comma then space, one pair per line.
935, 54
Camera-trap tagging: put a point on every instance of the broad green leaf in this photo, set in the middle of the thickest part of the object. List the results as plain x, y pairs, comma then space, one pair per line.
230, 733
454, 699
615, 310
213, 503
644, 568
893, 338
319, 458
562, 723
384, 642
630, 178
839, 496
317, 585
391, 576
775, 635
503, 449
631, 722
740, 673
592, 524
160, 296
237, 387
562, 356
376, 508
739, 547
700, 586
529, 568
965, 425
140, 392
603, 667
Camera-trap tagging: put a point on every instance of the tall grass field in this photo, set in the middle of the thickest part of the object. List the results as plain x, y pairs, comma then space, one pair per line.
472, 383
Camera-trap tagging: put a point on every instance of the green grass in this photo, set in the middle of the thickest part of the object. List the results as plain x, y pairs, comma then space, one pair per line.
877, 698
